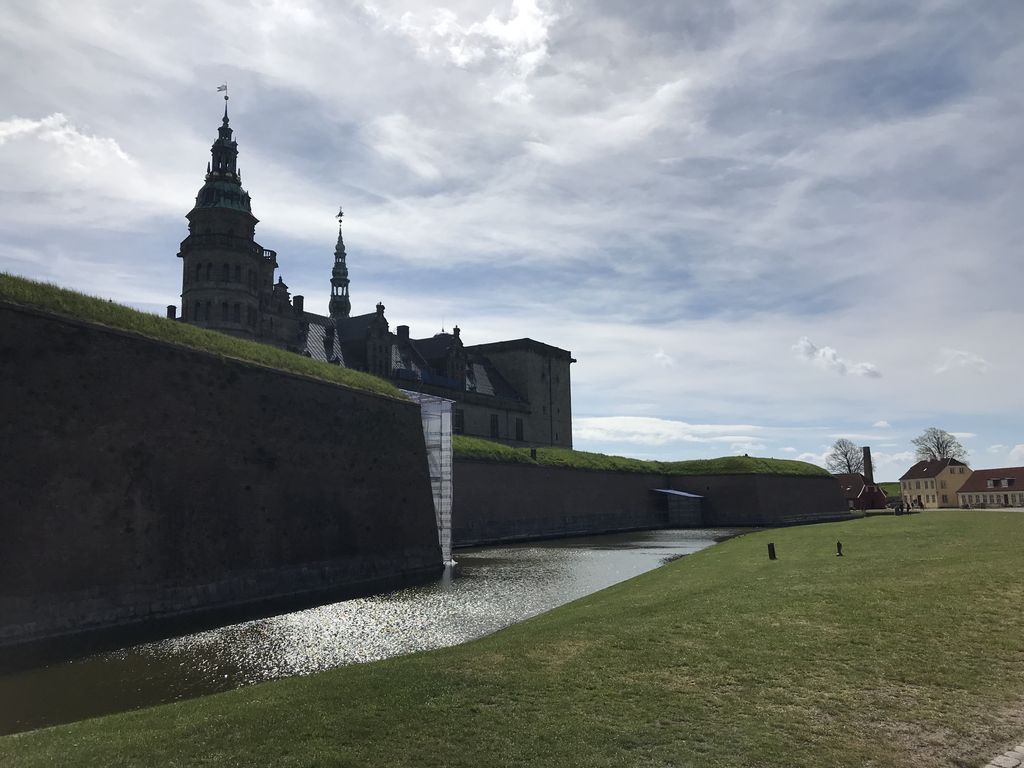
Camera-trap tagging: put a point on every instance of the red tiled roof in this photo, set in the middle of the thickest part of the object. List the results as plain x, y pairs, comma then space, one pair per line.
925, 469
978, 481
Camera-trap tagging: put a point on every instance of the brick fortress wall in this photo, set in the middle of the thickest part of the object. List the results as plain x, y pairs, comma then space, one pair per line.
506, 502
142, 480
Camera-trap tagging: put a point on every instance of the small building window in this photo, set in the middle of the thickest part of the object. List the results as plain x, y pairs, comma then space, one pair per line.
519, 429
494, 425
458, 421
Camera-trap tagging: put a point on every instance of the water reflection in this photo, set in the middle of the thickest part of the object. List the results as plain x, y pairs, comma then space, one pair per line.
489, 589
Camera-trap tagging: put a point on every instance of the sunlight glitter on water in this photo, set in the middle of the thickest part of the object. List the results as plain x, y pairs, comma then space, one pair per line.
490, 588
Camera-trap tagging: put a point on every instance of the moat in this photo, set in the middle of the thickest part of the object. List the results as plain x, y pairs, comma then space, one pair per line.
489, 588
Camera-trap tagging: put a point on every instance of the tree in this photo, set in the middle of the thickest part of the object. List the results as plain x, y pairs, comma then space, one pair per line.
936, 444
845, 458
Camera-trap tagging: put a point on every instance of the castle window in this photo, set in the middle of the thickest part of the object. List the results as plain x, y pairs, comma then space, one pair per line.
206, 311
225, 273
238, 274
223, 310
209, 271
237, 315
458, 421
494, 425
252, 280
519, 429
195, 311
199, 272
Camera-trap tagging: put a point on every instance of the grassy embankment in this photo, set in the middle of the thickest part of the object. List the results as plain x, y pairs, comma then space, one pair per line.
51, 298
905, 652
891, 489
484, 450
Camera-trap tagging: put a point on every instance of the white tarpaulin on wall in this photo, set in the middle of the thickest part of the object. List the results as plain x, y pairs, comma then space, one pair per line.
436, 413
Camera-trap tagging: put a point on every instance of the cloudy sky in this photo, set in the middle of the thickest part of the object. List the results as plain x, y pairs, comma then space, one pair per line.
758, 226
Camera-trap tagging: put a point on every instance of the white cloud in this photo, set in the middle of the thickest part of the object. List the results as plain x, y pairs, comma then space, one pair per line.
1017, 455
956, 359
655, 431
996, 448
882, 425
789, 449
663, 359
828, 359
813, 458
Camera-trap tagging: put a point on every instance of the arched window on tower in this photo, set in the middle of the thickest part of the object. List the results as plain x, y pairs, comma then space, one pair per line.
238, 273
223, 310
252, 280
199, 272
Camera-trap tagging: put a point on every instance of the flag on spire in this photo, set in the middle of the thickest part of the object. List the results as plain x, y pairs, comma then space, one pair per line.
222, 87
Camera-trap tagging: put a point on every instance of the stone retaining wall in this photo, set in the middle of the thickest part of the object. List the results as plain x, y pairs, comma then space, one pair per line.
496, 502
141, 479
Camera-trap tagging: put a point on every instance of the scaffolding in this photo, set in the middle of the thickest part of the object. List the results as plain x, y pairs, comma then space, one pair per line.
436, 415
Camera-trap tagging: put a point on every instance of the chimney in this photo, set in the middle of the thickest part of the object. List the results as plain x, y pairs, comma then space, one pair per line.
869, 475
298, 302
403, 332
172, 312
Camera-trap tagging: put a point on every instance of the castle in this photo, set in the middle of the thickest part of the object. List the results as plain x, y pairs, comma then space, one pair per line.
516, 392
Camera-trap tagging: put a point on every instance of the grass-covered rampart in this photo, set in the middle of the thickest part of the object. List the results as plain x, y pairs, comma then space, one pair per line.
906, 651
891, 489
477, 449
51, 298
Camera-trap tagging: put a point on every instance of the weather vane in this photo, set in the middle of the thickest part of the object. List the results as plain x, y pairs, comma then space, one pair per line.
340, 214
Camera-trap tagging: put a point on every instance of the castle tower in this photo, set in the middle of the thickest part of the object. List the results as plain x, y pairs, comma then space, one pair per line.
227, 277
340, 305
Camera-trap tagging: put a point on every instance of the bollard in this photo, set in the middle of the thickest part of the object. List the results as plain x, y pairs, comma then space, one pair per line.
771, 550
839, 549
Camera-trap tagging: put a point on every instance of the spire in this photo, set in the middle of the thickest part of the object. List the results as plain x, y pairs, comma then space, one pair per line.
225, 149
340, 305
223, 187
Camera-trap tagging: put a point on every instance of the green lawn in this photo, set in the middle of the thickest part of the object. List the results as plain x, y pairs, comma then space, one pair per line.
891, 489
51, 298
478, 449
908, 651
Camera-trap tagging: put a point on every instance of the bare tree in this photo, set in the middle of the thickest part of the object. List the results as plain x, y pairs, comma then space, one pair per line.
845, 458
936, 444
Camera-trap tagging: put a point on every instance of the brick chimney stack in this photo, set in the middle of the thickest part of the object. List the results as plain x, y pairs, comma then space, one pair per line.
869, 475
